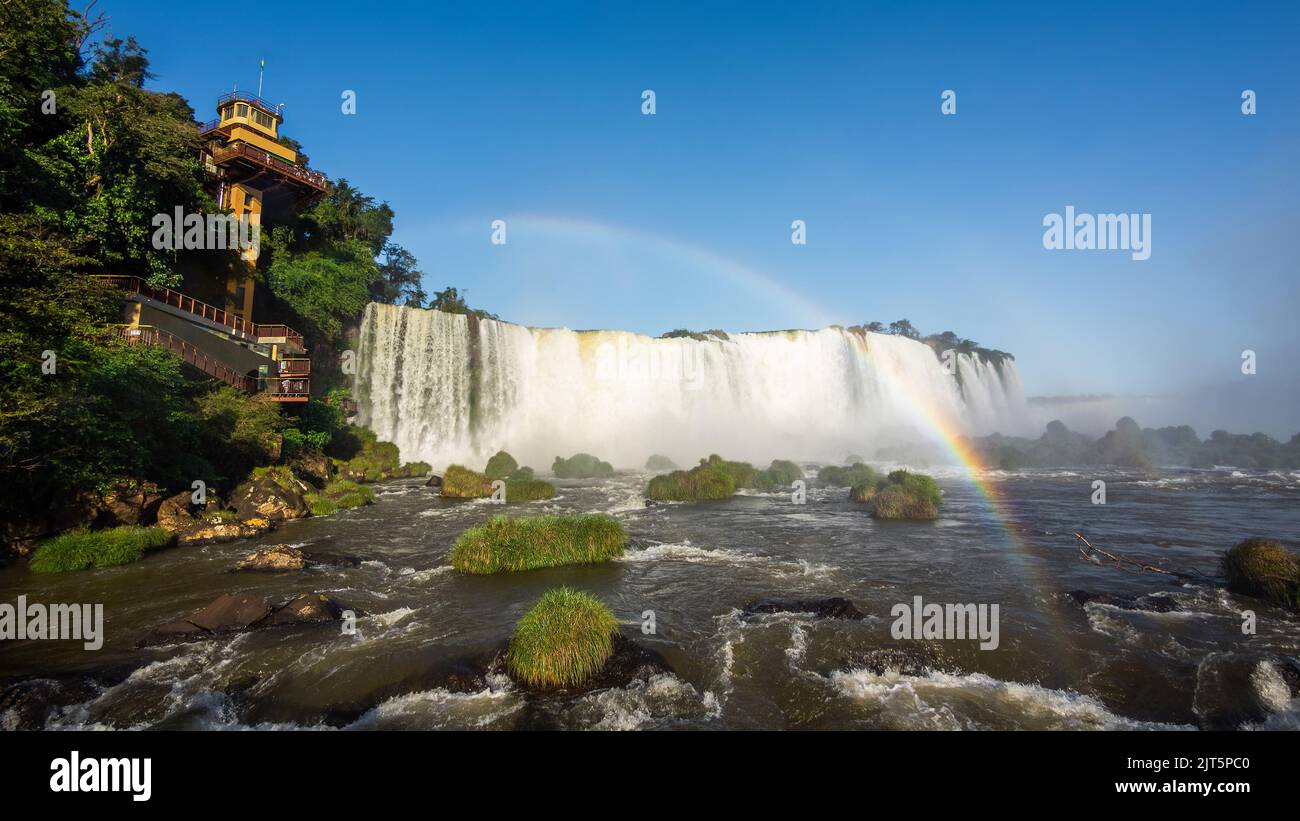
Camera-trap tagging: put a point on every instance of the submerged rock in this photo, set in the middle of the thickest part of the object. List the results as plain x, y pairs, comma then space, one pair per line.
1236, 689
836, 607
240, 612
434, 481
1150, 602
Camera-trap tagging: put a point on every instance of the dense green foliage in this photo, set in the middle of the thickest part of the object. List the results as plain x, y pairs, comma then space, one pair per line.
946, 341
82, 549
705, 481
562, 641
900, 495
783, 472
505, 544
581, 466
500, 466
852, 475
1263, 568
698, 336
1129, 445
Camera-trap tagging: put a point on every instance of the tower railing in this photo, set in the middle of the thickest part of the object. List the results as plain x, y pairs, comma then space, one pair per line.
286, 388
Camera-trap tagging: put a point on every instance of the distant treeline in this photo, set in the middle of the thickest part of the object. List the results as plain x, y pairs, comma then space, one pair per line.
1129, 445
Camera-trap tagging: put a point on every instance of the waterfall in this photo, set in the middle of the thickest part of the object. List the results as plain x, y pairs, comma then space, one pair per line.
450, 388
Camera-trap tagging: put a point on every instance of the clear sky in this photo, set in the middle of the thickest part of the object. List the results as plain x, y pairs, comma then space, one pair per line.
824, 112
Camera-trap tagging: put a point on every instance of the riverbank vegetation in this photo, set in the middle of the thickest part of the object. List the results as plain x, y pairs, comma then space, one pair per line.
340, 494
460, 482
718, 478
1129, 445
505, 544
86, 169
83, 549
562, 641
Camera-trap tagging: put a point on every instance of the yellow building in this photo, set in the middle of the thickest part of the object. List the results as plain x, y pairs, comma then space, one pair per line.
255, 176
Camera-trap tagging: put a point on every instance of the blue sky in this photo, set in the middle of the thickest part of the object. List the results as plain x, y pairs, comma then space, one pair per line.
828, 113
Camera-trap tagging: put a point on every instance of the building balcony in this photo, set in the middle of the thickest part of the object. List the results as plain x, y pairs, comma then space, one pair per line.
258, 161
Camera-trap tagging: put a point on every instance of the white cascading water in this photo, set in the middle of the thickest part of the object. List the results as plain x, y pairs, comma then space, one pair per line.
448, 389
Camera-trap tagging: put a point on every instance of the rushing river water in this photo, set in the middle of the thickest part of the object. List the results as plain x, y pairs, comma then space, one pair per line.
1059, 665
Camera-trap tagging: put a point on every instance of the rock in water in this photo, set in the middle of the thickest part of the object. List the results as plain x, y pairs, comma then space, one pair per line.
1150, 603
239, 612
836, 607
274, 559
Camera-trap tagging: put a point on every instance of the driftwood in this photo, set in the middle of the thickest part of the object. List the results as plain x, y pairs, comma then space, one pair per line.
1104, 558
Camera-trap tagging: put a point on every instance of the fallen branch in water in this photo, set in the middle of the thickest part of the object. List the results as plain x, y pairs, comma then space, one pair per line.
1104, 558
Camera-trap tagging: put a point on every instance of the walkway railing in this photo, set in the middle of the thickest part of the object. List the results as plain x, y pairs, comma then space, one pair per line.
149, 335
282, 389
237, 324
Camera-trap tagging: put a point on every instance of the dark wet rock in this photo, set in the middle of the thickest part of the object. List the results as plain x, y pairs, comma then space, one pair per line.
1236, 689
240, 612
1151, 602
26, 704
836, 607
434, 481
911, 659
282, 557
134, 503
308, 608
651, 503
311, 466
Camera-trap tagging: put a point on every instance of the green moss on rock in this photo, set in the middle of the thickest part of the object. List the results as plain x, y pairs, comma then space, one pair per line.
500, 466
1263, 568
581, 466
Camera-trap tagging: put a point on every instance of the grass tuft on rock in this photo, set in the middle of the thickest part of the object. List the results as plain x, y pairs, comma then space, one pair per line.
82, 549
528, 490
459, 482
340, 494
902, 495
562, 641
1263, 568
506, 544
701, 483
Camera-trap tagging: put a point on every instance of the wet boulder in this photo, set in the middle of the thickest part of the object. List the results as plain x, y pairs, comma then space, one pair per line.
1152, 603
272, 493
1234, 690
835, 607
275, 559
435, 481
241, 612
311, 466
129, 503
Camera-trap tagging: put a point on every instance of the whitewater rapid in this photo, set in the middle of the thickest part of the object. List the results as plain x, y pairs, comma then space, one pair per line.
450, 388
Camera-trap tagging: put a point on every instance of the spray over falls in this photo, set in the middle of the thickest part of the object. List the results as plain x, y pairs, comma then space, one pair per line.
453, 388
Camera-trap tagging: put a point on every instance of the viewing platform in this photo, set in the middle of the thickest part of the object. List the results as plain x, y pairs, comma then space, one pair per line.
283, 388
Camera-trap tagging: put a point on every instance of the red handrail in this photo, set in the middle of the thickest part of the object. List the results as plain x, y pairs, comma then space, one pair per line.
202, 309
284, 389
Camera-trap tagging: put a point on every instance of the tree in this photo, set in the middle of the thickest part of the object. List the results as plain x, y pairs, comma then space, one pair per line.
399, 278
451, 301
902, 327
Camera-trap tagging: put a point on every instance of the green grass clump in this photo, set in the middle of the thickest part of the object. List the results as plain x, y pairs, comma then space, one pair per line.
80, 549
895, 503
319, 505
528, 490
563, 641
1263, 568
659, 462
340, 494
522, 473
500, 466
864, 492
855, 474
504, 544
459, 482
581, 466
703, 482
901, 495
